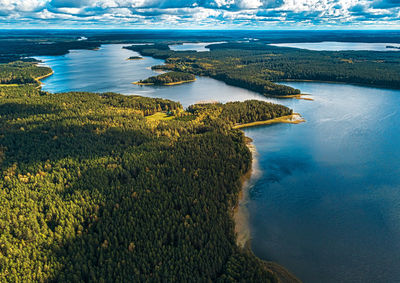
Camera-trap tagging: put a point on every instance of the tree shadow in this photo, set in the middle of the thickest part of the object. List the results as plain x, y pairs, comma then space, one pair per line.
54, 141
21, 110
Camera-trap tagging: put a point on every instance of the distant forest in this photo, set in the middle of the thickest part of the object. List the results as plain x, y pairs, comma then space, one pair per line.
257, 66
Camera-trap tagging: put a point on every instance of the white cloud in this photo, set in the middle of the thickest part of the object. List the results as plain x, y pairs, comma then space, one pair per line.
199, 12
22, 5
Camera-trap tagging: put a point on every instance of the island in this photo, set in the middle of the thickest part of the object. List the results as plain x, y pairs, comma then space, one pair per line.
135, 58
392, 47
170, 78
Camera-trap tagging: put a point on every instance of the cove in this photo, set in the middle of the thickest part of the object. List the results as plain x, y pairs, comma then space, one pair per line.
326, 203
107, 70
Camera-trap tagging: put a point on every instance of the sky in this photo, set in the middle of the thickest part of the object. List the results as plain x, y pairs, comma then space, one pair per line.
201, 14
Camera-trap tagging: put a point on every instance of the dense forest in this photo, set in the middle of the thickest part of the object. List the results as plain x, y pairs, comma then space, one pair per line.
22, 73
257, 66
169, 78
240, 112
92, 190
11, 50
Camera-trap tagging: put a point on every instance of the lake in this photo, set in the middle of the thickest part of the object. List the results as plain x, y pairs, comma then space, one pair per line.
327, 202
108, 70
339, 46
199, 46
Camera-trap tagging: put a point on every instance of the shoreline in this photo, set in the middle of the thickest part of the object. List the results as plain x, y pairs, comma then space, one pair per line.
241, 213
294, 118
166, 84
336, 82
43, 77
296, 96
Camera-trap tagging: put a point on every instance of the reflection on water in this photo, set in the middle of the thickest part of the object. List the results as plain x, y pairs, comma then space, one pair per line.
199, 47
327, 202
338, 46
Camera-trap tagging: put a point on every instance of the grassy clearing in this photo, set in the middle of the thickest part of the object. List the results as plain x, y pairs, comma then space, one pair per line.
159, 116
3, 85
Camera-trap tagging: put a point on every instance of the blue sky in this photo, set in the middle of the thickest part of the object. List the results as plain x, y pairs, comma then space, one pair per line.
207, 14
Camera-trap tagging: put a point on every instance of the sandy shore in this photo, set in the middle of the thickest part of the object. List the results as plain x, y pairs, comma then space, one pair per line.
241, 214
296, 96
42, 77
295, 118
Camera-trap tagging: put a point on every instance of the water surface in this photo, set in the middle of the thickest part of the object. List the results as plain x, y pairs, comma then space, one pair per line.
327, 204
339, 46
199, 46
108, 70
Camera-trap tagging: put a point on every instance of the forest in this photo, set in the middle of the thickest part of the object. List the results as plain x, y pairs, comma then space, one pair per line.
240, 112
12, 50
168, 79
91, 190
257, 66
22, 73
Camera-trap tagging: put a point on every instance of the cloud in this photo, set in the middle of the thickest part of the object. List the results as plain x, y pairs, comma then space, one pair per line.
197, 13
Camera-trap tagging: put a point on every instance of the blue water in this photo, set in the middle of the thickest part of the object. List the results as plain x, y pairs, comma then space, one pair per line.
108, 70
327, 204
199, 46
338, 46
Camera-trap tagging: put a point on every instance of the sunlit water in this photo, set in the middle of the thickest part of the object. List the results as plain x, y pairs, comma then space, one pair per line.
338, 46
108, 70
199, 46
327, 202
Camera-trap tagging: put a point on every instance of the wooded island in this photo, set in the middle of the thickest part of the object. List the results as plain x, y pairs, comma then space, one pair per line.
170, 78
